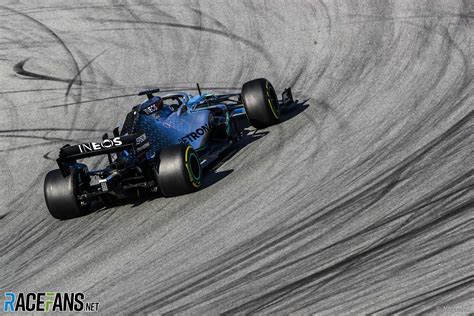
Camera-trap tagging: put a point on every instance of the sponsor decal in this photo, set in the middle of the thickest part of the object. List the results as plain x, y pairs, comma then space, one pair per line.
48, 302
201, 131
107, 143
140, 139
150, 109
142, 142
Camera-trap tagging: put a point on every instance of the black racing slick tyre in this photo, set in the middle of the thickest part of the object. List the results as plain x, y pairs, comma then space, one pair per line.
179, 170
60, 194
261, 103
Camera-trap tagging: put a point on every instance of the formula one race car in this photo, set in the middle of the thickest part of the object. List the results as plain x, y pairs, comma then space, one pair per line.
163, 145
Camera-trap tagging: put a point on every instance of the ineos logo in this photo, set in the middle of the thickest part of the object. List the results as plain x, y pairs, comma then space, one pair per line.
106, 143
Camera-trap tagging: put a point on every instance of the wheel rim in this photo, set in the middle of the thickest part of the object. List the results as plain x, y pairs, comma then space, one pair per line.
272, 101
193, 166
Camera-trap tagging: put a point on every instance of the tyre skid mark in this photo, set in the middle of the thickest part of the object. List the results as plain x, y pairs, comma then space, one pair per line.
18, 68
58, 39
231, 36
54, 35
371, 195
78, 74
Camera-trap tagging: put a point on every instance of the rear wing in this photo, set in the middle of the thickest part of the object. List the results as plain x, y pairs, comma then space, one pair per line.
69, 154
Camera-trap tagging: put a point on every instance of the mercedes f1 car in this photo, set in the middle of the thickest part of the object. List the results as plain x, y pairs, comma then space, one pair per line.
163, 146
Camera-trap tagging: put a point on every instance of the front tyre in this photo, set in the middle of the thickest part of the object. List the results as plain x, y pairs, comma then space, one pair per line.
260, 103
179, 170
60, 194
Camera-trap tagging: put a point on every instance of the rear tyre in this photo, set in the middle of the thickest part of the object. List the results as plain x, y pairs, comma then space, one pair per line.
60, 194
261, 103
179, 170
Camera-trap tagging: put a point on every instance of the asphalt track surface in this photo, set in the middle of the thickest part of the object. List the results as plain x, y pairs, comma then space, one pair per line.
359, 202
